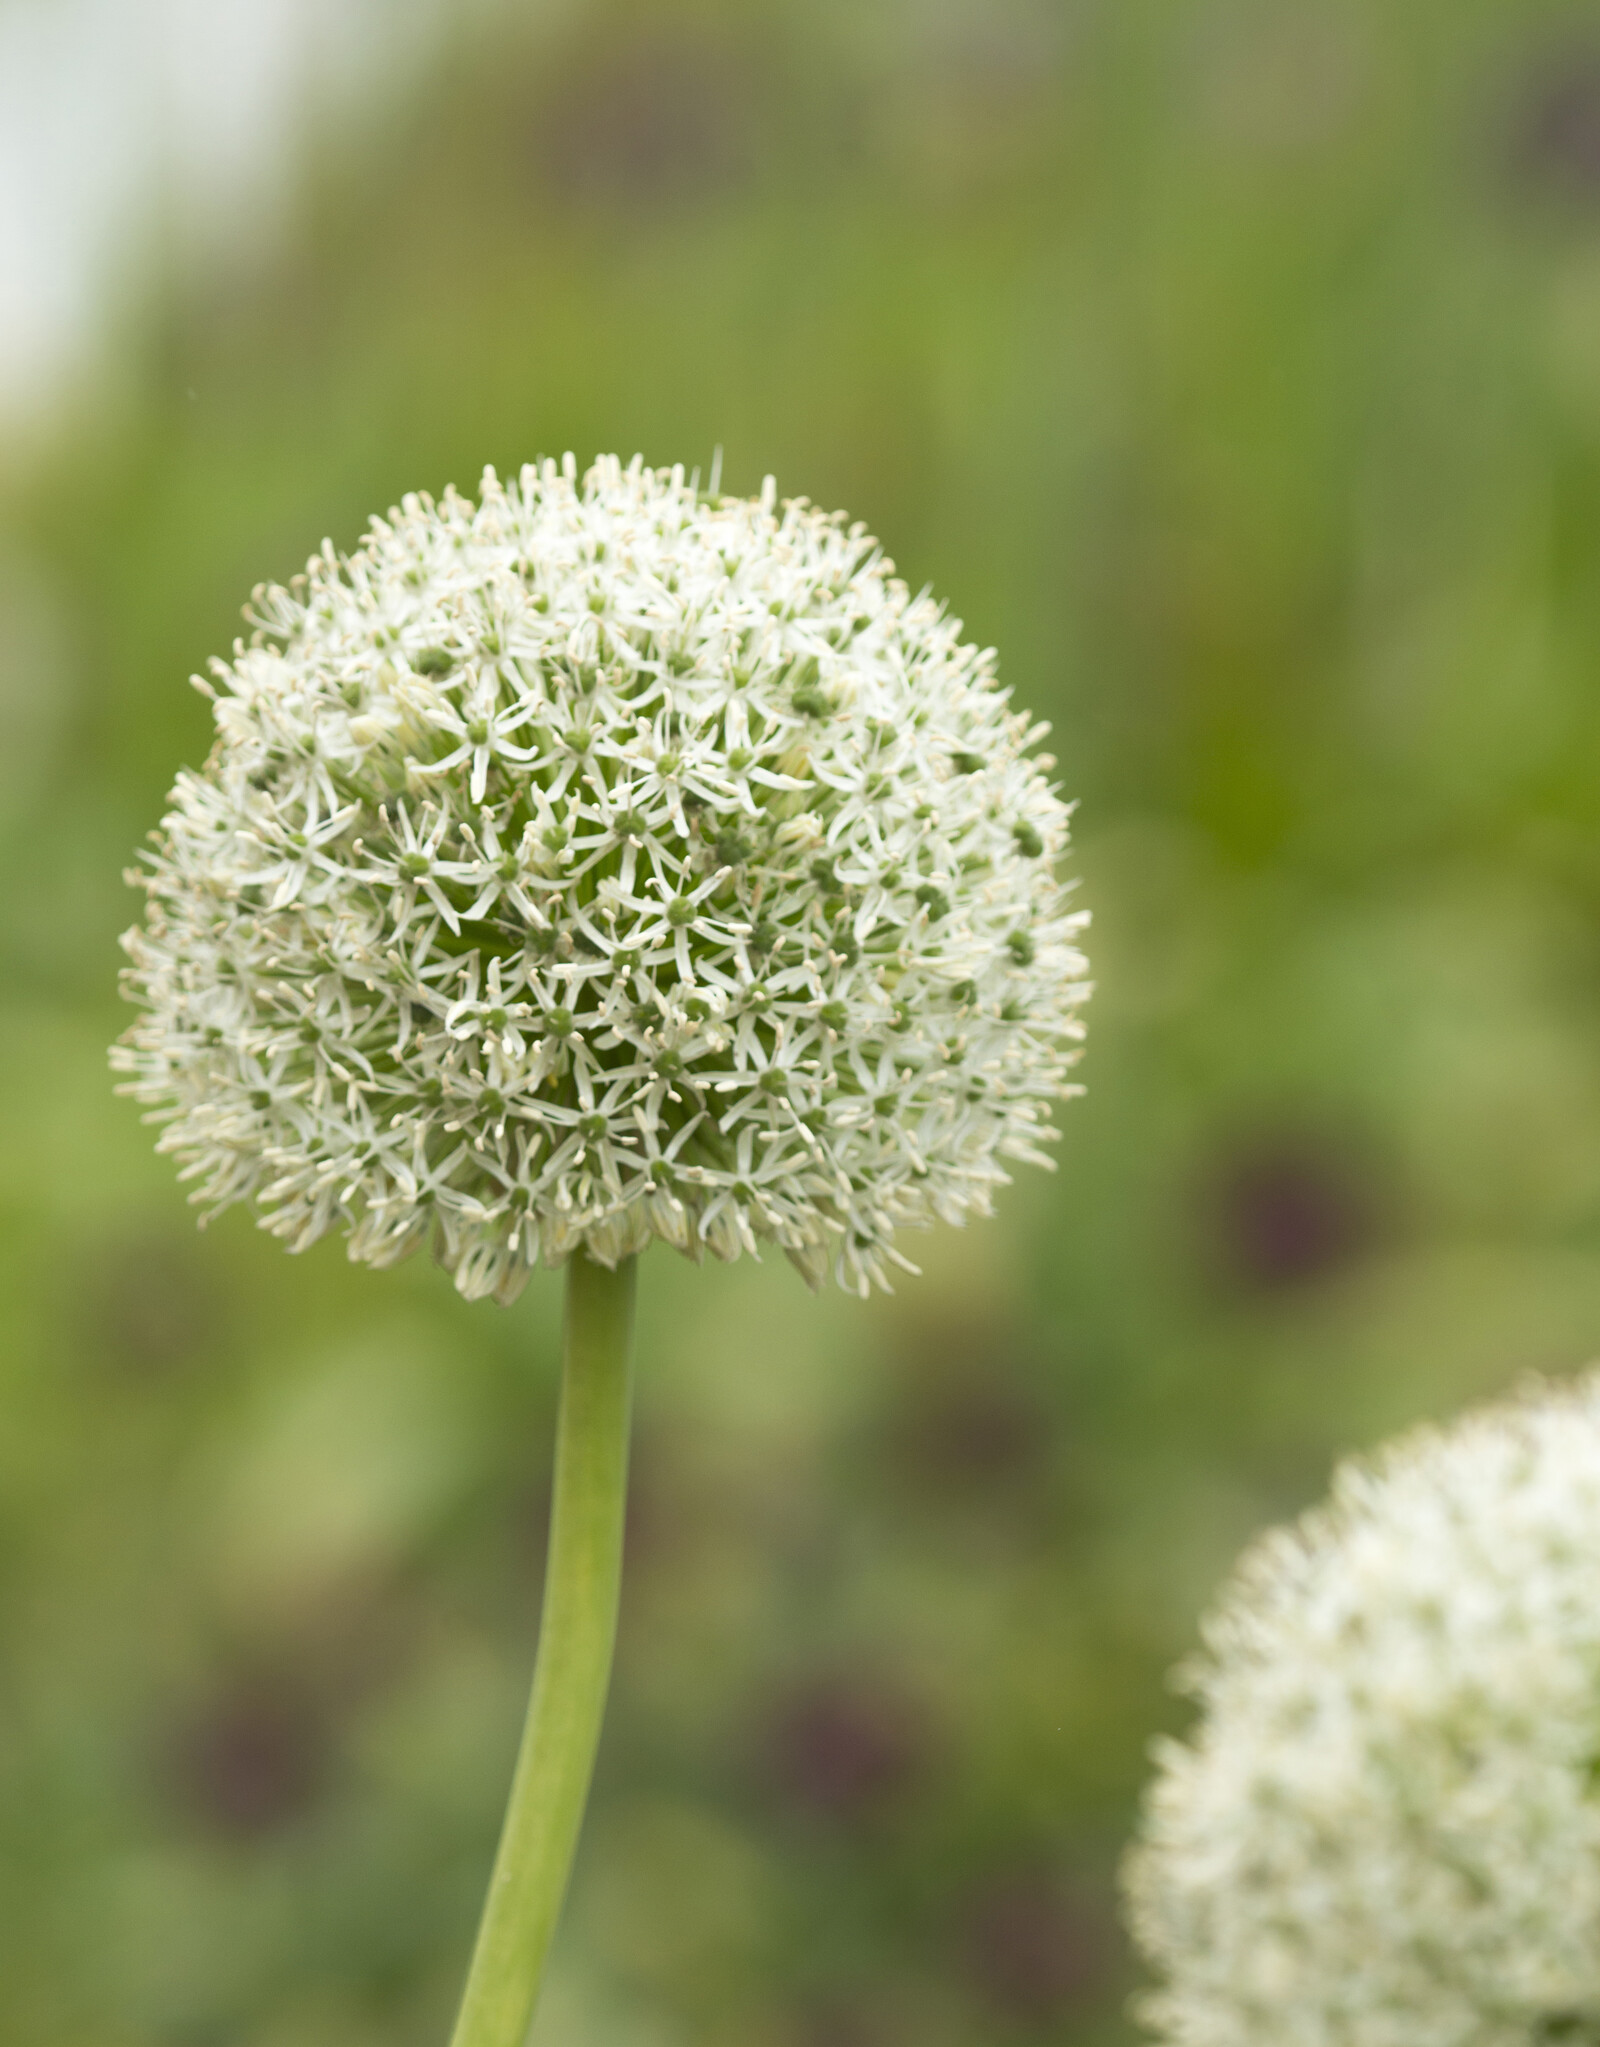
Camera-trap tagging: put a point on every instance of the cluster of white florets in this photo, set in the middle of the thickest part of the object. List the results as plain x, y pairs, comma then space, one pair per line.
603, 861
1386, 1830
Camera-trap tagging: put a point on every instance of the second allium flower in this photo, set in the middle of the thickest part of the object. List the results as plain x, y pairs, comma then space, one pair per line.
601, 861
1385, 1831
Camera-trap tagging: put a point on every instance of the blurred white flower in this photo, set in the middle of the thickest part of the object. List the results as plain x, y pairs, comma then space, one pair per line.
603, 861
1385, 1831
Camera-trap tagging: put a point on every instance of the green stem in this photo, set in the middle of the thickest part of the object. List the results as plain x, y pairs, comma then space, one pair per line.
576, 1632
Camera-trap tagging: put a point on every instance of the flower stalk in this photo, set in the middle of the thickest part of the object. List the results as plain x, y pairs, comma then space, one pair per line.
577, 1631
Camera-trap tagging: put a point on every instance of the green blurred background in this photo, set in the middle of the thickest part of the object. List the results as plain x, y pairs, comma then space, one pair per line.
1232, 365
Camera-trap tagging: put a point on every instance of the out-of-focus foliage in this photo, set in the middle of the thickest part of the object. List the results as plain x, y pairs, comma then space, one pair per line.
1234, 367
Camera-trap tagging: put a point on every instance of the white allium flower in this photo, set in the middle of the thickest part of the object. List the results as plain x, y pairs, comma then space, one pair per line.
1385, 1831
602, 861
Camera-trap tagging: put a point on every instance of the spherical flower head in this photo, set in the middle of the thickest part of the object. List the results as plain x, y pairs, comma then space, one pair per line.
1385, 1831
604, 861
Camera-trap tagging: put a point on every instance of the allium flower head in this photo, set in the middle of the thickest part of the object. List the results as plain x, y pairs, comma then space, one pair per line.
1386, 1830
602, 861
